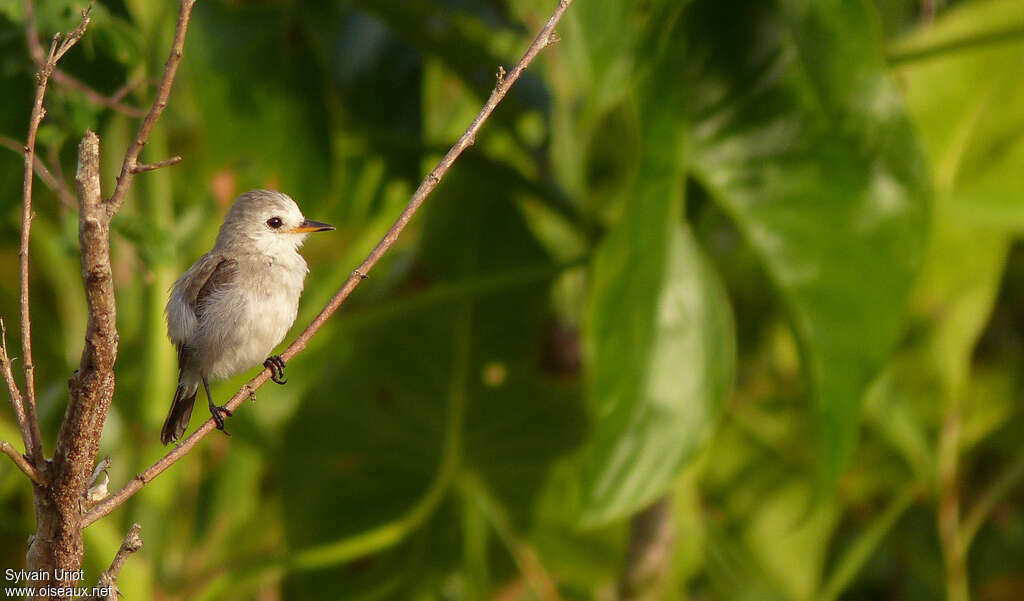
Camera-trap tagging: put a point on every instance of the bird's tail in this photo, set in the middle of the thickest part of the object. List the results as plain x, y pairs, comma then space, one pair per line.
181, 412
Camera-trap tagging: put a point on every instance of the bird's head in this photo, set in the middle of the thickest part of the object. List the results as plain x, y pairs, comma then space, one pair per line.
267, 222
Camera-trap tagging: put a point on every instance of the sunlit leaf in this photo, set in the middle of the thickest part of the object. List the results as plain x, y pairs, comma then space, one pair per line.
424, 388
659, 331
799, 134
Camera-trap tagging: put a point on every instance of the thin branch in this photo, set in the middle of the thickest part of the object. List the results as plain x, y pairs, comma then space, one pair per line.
948, 515
108, 579
52, 181
111, 102
69, 81
139, 168
854, 557
128, 87
58, 542
1007, 480
427, 186
22, 462
72, 38
17, 400
33, 437
131, 158
652, 537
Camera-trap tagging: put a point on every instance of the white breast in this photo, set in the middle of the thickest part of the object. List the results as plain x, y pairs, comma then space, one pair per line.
248, 319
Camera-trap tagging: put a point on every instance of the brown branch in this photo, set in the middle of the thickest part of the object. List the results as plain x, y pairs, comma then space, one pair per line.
163, 92
17, 400
22, 462
427, 186
58, 541
33, 437
108, 579
139, 168
27, 419
69, 81
128, 87
111, 102
651, 543
52, 181
987, 501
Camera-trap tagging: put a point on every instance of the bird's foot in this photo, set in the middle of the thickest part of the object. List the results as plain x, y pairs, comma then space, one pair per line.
216, 412
276, 365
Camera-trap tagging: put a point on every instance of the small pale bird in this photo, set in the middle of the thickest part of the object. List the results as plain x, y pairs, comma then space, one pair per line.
236, 303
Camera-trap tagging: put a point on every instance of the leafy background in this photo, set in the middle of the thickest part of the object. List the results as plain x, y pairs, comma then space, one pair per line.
757, 261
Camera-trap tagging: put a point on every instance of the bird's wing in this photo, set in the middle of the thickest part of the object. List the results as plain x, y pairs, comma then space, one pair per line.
210, 273
223, 273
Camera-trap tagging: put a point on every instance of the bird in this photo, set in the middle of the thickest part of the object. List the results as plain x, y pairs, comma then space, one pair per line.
237, 302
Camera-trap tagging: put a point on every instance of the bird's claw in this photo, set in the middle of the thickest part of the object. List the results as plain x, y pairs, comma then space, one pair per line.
276, 365
216, 413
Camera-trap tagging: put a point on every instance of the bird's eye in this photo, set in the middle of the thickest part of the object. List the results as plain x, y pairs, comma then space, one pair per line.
274, 222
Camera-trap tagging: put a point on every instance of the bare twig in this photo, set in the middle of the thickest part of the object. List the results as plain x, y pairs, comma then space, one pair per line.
22, 462
17, 400
32, 435
70, 81
131, 159
358, 275
58, 540
128, 87
651, 543
108, 579
52, 181
66, 80
987, 501
949, 510
139, 168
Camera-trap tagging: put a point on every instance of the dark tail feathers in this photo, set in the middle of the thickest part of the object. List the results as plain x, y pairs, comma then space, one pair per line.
181, 412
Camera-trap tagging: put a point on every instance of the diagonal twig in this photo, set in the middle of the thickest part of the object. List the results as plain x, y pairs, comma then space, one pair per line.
17, 400
52, 180
108, 579
141, 167
130, 165
58, 48
22, 462
429, 183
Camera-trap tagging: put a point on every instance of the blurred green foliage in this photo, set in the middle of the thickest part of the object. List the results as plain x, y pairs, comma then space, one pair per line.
756, 258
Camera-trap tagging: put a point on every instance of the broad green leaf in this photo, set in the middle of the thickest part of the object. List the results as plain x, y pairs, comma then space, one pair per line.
440, 381
661, 360
962, 98
799, 135
659, 332
957, 96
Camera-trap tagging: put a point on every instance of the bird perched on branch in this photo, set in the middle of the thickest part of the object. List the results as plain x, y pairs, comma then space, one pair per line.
236, 303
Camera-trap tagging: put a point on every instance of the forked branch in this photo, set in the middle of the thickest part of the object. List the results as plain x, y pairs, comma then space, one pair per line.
131, 166
30, 424
108, 579
67, 80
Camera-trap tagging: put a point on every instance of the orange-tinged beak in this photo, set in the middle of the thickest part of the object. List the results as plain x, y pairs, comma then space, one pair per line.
311, 226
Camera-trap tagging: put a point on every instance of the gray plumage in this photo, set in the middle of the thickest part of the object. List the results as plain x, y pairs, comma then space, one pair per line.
236, 303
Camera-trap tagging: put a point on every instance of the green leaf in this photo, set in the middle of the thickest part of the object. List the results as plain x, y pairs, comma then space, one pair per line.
959, 96
802, 139
437, 382
661, 356
659, 332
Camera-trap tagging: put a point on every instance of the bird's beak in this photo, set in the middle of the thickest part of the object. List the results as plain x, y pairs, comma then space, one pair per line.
311, 226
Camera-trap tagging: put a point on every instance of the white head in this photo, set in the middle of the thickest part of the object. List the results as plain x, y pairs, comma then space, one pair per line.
267, 222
